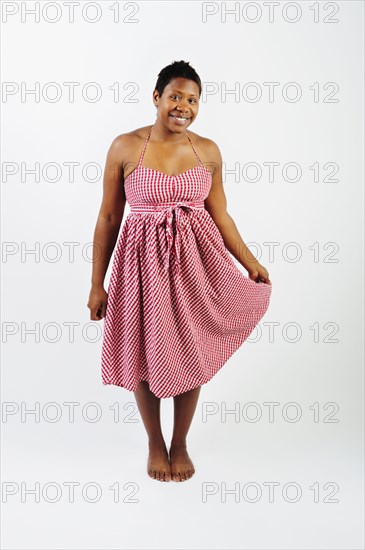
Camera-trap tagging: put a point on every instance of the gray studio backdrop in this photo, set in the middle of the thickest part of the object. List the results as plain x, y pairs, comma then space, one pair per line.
277, 437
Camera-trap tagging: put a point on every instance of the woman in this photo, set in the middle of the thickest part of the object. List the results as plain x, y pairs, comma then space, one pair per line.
177, 305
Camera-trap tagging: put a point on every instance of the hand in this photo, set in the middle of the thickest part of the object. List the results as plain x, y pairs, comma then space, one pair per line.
259, 274
97, 303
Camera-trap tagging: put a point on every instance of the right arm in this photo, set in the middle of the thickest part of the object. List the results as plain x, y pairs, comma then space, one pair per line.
107, 227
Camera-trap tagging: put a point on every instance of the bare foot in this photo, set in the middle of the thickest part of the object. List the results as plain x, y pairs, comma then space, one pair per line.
182, 467
158, 466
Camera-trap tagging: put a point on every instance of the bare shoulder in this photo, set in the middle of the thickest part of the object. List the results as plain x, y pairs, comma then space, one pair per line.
208, 151
124, 146
130, 139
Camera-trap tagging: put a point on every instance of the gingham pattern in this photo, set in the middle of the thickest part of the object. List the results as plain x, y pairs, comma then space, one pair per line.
178, 305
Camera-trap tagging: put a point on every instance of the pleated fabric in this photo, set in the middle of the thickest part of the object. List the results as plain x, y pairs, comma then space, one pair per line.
178, 306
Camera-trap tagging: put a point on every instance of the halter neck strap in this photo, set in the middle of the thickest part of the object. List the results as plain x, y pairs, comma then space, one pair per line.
148, 137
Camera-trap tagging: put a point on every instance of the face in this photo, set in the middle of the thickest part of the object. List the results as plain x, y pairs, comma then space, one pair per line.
178, 106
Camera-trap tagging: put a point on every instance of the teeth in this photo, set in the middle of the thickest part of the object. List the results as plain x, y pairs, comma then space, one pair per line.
179, 117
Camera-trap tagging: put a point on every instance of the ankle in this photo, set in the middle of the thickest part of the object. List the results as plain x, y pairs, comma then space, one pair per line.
178, 443
154, 442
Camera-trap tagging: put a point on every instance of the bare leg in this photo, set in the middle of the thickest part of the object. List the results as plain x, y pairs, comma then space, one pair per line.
158, 466
182, 467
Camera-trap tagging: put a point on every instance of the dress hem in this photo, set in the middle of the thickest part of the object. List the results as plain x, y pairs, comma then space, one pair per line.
162, 396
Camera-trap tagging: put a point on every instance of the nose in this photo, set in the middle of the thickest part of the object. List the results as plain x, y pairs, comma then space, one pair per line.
181, 106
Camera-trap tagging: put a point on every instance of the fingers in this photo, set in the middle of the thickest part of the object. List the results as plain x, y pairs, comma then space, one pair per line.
262, 279
97, 313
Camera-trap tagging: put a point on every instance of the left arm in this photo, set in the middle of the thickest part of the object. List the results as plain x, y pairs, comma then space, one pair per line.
216, 205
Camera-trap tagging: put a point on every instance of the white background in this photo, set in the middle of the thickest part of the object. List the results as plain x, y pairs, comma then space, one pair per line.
309, 347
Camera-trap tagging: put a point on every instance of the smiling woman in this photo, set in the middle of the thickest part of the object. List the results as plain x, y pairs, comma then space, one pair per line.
177, 306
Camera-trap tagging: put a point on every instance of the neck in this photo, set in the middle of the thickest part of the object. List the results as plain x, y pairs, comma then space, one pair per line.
161, 133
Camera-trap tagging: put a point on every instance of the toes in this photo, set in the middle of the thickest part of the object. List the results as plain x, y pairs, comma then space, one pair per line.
165, 476
160, 475
182, 476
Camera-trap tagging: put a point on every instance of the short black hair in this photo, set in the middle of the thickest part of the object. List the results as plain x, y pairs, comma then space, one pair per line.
177, 69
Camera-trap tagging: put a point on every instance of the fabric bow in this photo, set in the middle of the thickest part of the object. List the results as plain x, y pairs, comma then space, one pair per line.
173, 217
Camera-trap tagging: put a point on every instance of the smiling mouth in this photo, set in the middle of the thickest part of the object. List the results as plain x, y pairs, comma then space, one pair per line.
180, 117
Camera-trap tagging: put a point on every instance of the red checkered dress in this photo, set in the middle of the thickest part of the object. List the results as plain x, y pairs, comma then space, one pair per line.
178, 306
